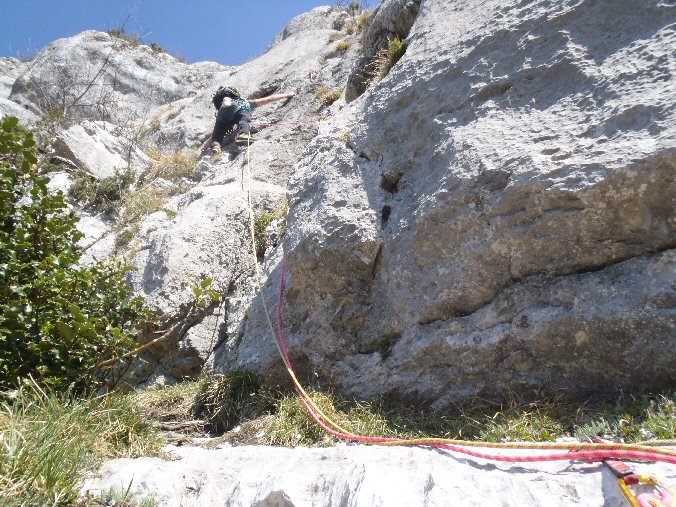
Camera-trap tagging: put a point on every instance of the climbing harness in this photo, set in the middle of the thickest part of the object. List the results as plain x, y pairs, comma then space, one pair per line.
591, 452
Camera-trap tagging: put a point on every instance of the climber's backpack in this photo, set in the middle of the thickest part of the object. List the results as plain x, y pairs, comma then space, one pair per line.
222, 93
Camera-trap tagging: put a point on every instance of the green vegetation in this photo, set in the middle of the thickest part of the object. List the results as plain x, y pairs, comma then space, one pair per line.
326, 96
631, 419
122, 34
103, 195
148, 196
57, 319
263, 220
388, 57
224, 401
49, 440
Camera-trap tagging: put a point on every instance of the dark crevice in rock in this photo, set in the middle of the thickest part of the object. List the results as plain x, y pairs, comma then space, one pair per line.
394, 20
385, 214
376, 261
382, 346
491, 90
389, 183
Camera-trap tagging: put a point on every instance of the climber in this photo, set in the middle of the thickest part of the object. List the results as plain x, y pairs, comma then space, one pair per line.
233, 118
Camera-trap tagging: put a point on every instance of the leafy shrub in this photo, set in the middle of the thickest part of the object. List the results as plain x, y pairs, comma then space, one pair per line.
57, 319
103, 195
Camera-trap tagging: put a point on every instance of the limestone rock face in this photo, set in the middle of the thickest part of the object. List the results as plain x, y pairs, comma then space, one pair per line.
10, 70
498, 213
94, 75
391, 19
357, 475
209, 237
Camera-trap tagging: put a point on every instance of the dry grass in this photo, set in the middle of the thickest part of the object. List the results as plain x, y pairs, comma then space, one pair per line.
172, 167
326, 96
343, 46
387, 57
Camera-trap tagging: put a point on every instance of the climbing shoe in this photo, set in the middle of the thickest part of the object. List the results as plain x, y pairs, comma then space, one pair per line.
215, 148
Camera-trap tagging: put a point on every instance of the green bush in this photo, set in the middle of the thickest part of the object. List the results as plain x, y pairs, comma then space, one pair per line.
58, 319
103, 195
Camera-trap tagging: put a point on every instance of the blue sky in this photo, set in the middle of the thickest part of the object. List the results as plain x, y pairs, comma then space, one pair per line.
227, 31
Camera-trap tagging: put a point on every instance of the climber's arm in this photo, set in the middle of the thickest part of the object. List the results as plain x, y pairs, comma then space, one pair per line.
271, 98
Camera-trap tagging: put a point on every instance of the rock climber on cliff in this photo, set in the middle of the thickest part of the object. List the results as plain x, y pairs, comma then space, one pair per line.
233, 118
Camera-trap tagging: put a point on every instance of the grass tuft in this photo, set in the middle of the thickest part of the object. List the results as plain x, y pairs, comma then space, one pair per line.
49, 440
387, 57
343, 46
225, 401
326, 96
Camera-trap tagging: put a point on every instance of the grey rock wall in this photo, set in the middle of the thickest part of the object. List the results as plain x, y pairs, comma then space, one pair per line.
497, 214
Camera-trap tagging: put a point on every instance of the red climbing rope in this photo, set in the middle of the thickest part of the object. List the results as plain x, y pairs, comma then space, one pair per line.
574, 451
584, 452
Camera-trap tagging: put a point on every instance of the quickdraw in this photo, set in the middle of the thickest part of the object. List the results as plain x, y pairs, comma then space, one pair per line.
626, 476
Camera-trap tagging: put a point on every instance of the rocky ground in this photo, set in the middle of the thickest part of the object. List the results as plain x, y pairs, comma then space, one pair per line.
358, 475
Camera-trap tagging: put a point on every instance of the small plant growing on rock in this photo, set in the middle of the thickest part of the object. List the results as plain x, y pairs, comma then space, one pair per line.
326, 96
263, 221
343, 46
362, 19
121, 33
387, 57
172, 167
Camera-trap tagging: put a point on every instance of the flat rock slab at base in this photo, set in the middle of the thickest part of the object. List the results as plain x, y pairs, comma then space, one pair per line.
348, 475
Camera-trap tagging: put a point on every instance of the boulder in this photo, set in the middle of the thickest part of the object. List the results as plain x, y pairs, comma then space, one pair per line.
208, 239
10, 70
94, 147
94, 75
